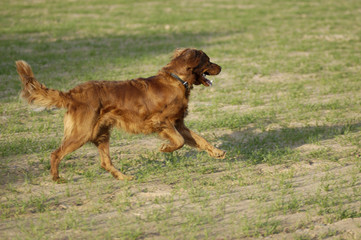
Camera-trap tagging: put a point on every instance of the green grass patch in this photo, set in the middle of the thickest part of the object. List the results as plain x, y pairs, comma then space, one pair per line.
286, 108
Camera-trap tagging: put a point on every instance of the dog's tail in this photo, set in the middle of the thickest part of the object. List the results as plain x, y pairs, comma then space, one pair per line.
35, 92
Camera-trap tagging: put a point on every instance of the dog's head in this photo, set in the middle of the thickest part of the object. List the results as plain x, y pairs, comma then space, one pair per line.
194, 65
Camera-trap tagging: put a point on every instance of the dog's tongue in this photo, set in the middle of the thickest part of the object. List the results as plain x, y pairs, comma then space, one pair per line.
208, 82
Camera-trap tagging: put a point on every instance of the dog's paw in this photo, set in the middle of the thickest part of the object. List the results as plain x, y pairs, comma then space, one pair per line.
163, 148
128, 178
166, 148
217, 153
60, 180
123, 177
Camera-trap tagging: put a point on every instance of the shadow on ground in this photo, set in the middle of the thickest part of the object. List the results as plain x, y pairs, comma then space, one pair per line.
261, 147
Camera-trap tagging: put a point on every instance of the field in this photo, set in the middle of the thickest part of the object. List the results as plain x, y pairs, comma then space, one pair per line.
286, 108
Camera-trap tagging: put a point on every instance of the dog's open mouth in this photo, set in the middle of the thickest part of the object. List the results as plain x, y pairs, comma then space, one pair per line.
205, 81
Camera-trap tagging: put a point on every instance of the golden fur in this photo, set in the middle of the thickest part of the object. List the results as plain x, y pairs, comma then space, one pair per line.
157, 104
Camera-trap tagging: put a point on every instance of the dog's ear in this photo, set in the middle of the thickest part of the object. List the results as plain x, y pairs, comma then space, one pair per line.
184, 60
178, 52
187, 56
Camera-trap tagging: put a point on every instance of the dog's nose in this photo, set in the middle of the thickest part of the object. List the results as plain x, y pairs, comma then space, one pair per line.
217, 69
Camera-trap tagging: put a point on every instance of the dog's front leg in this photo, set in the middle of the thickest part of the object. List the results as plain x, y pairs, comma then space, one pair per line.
194, 140
170, 133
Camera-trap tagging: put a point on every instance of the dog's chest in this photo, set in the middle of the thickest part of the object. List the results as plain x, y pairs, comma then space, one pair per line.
176, 109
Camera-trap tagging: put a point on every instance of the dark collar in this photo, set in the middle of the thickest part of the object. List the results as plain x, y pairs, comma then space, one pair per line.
184, 83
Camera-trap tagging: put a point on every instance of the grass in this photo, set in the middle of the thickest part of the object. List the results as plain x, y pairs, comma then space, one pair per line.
286, 108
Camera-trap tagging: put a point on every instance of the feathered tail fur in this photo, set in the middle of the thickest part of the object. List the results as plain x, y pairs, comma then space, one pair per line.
35, 92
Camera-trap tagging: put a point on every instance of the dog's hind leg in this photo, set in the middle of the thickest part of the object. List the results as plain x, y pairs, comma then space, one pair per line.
69, 145
77, 131
102, 142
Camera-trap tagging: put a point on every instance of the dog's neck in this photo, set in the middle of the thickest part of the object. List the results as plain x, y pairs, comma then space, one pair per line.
184, 83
